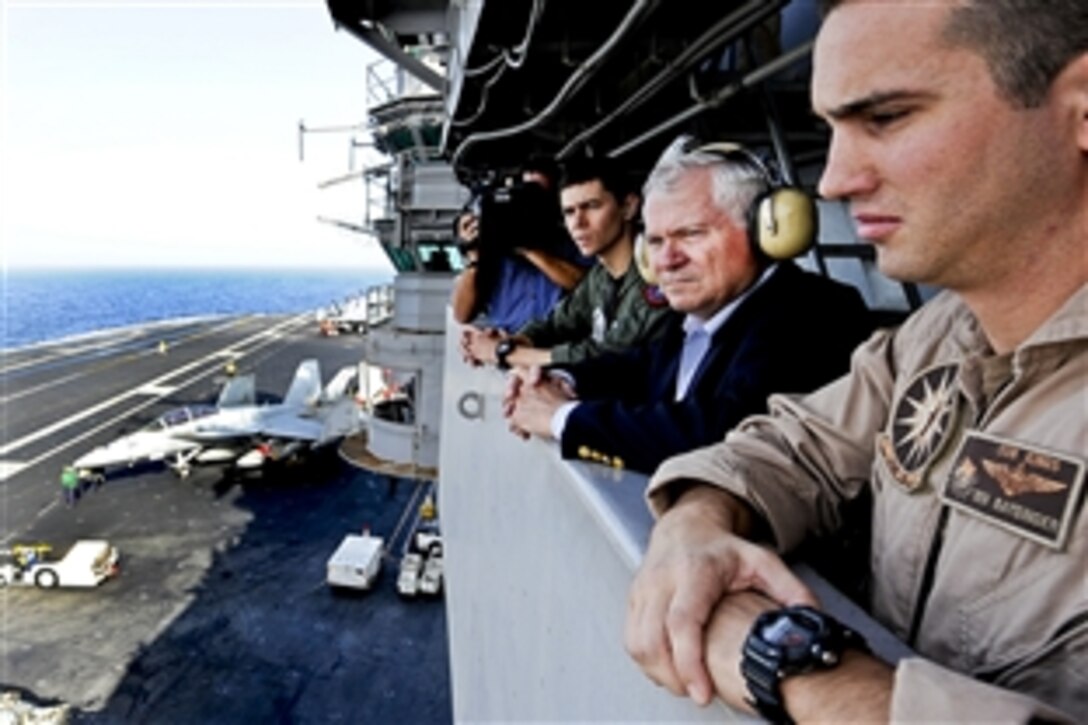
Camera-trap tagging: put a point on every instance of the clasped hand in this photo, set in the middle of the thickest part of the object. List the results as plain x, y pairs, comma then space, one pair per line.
695, 597
478, 345
531, 399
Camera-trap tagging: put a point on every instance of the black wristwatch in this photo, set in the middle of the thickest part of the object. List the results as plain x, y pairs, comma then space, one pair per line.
788, 642
506, 346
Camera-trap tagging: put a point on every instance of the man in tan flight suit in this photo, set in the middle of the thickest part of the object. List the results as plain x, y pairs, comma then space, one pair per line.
960, 142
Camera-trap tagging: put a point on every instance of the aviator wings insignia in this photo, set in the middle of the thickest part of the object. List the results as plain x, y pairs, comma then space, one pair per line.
1019, 481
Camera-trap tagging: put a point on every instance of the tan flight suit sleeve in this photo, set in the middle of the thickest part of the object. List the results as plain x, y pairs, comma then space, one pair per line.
926, 692
797, 465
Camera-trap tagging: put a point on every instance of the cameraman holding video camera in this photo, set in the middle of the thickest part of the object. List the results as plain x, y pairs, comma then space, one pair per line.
520, 261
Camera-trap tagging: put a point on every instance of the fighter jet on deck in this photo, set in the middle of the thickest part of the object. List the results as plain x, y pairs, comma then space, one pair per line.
238, 431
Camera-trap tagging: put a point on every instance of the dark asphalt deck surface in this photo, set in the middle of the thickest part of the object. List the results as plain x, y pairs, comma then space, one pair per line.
221, 613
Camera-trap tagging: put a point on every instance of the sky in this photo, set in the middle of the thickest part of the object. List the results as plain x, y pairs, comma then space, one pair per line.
165, 134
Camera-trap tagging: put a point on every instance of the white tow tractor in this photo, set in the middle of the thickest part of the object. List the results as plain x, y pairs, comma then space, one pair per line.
357, 562
424, 562
87, 564
408, 580
430, 581
427, 539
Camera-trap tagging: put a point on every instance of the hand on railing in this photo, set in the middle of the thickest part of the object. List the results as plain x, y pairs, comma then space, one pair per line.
531, 400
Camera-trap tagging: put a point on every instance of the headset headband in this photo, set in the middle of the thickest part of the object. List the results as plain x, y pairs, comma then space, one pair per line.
733, 151
782, 221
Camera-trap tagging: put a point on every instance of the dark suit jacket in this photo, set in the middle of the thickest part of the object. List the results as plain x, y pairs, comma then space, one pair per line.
792, 334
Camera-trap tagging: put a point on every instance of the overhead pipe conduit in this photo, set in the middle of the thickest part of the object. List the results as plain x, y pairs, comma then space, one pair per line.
722, 32
508, 59
577, 79
752, 79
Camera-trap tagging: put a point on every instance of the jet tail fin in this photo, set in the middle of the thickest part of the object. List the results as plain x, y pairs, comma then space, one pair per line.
240, 390
344, 384
306, 386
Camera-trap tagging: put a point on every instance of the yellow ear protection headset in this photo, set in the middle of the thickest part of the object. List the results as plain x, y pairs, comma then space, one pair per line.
642, 260
782, 221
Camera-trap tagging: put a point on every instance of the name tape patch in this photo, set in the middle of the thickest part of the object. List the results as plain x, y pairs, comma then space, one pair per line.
1027, 490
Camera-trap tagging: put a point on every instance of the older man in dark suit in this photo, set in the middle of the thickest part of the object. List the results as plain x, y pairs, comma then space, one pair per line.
750, 326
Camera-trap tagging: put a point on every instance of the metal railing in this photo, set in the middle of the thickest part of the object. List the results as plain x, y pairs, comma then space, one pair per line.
539, 556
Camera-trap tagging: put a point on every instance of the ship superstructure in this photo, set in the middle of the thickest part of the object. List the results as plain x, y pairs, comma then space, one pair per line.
540, 551
410, 204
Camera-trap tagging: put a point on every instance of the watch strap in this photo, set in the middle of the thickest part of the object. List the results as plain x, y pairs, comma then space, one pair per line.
765, 664
760, 668
502, 351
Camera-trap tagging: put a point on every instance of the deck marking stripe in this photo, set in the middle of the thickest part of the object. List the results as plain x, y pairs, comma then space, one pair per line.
79, 348
94, 409
75, 375
17, 531
157, 390
10, 468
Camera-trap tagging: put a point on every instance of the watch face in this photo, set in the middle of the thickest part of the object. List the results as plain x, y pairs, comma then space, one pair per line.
795, 639
786, 642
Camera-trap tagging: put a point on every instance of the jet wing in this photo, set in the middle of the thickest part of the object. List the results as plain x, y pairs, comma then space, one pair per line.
217, 433
133, 448
291, 426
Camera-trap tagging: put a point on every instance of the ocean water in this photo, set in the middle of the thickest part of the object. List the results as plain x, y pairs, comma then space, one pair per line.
38, 305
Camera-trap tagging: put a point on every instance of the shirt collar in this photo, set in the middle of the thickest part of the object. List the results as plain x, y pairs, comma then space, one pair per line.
711, 326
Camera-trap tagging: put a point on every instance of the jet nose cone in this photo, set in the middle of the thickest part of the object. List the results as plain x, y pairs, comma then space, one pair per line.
93, 459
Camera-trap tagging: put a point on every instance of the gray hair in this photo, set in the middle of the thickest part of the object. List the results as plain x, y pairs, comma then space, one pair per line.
736, 181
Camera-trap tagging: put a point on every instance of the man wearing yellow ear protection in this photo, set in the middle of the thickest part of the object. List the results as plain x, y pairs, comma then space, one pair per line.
748, 327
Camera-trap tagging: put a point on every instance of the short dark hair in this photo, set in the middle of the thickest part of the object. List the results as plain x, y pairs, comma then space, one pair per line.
1025, 43
584, 170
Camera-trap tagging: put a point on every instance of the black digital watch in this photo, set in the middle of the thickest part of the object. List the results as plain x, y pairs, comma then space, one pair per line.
788, 642
506, 346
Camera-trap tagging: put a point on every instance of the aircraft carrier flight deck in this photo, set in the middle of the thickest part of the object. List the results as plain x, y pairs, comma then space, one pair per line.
221, 612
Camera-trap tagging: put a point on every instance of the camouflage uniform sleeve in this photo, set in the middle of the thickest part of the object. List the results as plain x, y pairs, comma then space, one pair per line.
569, 319
637, 320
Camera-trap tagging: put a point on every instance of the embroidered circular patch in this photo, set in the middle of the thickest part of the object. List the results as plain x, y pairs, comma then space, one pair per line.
922, 417
654, 296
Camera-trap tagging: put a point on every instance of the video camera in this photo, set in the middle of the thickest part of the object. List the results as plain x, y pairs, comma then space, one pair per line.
519, 215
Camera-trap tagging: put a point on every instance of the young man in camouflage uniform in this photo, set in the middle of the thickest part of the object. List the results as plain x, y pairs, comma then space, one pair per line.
612, 308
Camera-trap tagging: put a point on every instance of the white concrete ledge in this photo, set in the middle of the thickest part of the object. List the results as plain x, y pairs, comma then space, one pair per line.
539, 556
